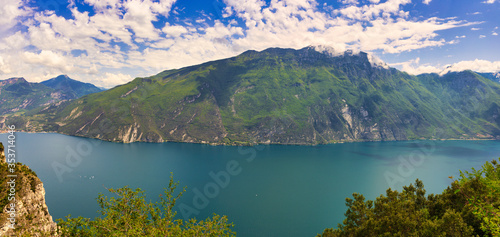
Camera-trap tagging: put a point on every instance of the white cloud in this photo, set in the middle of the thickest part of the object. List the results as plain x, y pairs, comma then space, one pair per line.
10, 10
48, 59
4, 67
121, 38
490, 1
494, 33
108, 80
426, 1
474, 28
354, 2
476, 65
174, 31
482, 36
415, 68
460, 37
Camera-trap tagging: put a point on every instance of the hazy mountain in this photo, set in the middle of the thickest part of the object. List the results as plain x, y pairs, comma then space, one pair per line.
286, 96
492, 76
71, 88
18, 95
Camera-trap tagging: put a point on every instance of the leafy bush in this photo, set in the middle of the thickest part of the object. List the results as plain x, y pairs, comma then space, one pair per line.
129, 214
470, 207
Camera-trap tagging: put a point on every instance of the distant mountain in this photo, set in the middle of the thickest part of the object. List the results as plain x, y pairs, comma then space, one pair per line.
308, 96
492, 76
18, 95
72, 88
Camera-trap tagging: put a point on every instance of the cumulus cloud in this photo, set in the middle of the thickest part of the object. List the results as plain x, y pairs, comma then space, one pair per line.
49, 59
476, 65
4, 67
415, 68
124, 36
108, 80
174, 31
490, 1
11, 10
355, 2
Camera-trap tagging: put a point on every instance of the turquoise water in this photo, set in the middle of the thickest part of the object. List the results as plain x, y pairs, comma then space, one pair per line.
268, 190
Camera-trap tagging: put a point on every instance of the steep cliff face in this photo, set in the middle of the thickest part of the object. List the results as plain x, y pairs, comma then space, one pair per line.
31, 216
284, 96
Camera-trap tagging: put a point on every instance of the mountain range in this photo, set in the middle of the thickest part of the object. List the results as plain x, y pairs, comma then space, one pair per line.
313, 95
18, 95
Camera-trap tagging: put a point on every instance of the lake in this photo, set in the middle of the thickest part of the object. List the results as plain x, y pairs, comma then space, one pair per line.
271, 190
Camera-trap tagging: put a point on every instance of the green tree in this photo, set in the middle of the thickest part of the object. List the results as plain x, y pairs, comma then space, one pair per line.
129, 214
484, 196
403, 213
469, 207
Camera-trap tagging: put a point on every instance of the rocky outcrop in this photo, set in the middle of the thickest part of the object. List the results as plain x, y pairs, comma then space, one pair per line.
31, 214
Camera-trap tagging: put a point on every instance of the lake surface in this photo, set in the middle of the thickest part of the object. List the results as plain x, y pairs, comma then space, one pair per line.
270, 190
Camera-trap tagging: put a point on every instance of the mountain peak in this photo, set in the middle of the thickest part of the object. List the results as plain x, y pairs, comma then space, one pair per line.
71, 87
62, 77
58, 79
13, 80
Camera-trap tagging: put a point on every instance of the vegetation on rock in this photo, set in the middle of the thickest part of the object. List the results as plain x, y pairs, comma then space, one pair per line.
32, 217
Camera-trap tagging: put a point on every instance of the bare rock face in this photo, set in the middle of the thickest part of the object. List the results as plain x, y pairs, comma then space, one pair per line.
31, 214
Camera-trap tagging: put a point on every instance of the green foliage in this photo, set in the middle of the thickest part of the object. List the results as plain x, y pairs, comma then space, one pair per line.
486, 206
469, 207
129, 214
403, 213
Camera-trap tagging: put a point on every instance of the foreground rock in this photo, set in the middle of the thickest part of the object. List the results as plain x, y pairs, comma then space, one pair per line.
32, 216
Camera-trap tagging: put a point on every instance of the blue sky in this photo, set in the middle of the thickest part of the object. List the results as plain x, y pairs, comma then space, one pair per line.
110, 42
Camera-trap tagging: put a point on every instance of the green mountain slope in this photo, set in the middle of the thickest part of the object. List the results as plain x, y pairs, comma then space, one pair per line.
283, 96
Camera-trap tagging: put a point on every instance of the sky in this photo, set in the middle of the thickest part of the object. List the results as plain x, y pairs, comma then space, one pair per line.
110, 42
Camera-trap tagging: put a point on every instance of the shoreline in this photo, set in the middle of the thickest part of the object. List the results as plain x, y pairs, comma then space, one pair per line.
257, 144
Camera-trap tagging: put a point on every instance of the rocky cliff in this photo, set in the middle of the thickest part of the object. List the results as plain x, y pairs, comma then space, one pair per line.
32, 216
281, 96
